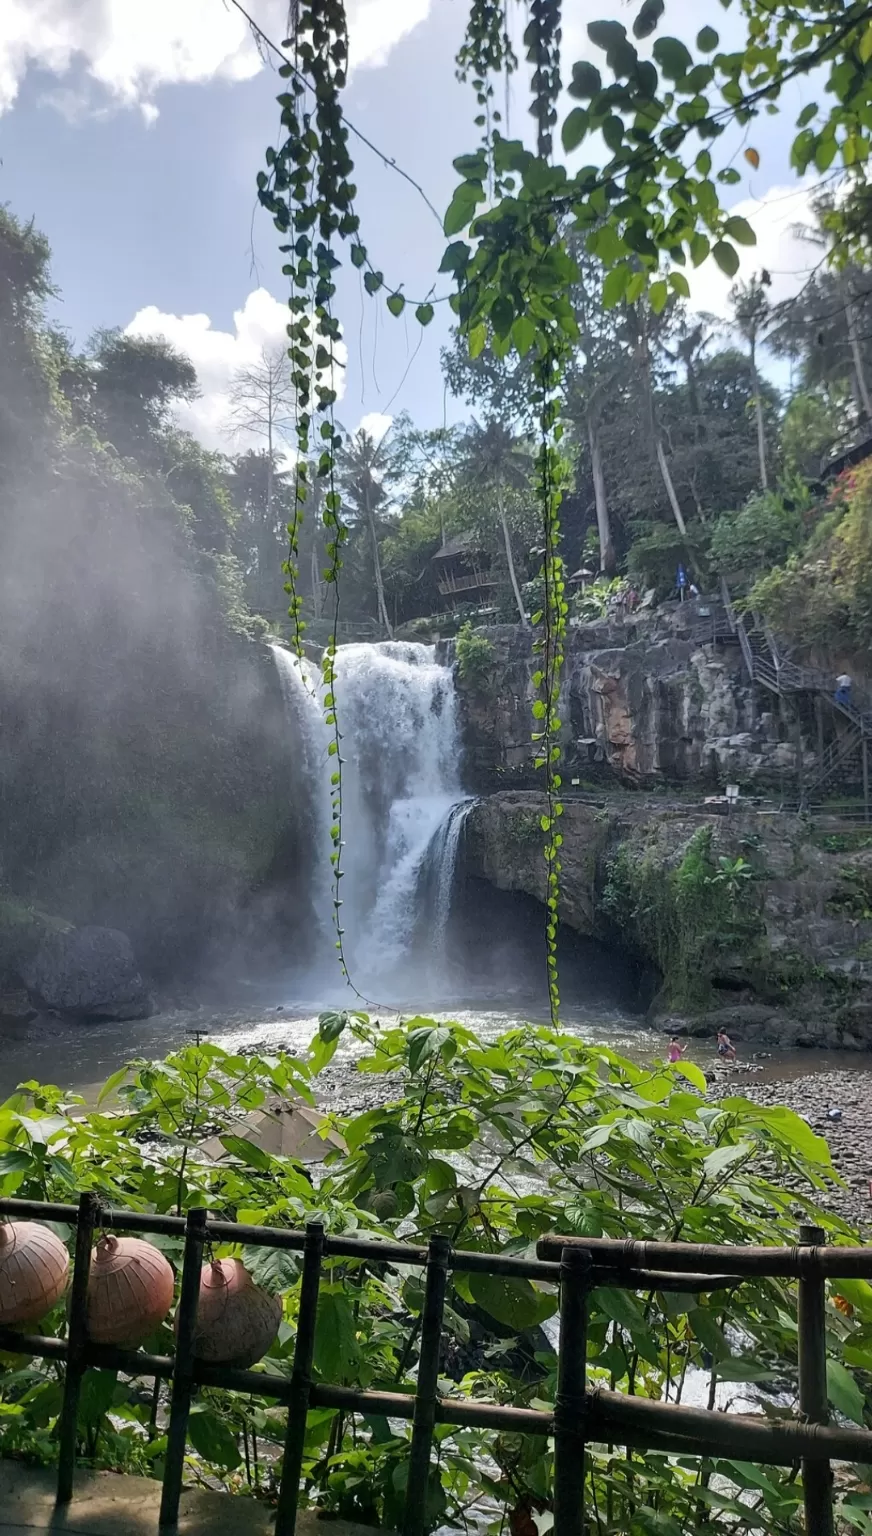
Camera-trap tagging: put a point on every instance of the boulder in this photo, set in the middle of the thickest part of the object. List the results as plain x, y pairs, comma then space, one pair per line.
88, 973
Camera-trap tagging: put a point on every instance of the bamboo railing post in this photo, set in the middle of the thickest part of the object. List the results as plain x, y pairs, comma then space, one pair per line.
301, 1380
415, 1514
570, 1401
183, 1381
817, 1480
77, 1336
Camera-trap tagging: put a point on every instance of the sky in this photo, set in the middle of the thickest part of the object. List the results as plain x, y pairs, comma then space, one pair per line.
132, 132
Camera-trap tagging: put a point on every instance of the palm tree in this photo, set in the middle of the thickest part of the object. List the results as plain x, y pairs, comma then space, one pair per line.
363, 465
639, 324
751, 311
495, 460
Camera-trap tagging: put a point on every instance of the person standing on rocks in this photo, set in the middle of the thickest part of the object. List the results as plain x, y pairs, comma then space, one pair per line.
726, 1048
843, 689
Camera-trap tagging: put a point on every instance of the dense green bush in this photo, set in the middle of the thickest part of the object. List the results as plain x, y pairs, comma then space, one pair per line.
490, 1144
475, 656
686, 920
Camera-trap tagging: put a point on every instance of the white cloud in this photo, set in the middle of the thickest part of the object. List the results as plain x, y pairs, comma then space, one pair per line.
375, 424
128, 49
260, 325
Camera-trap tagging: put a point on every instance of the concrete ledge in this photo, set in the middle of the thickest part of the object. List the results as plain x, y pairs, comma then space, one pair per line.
110, 1504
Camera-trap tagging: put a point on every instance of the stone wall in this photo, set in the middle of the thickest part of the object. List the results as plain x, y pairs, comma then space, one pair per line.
646, 701
803, 977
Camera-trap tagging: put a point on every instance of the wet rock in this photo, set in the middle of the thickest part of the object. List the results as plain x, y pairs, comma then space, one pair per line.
88, 973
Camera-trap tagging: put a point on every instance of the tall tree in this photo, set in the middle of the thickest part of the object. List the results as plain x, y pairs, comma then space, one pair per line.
495, 461
639, 324
752, 315
364, 465
136, 383
262, 405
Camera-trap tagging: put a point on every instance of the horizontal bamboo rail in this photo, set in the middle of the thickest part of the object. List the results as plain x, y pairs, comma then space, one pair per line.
783, 1263
582, 1415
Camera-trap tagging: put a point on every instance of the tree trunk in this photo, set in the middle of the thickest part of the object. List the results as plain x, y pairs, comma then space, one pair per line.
857, 356
758, 412
603, 525
379, 584
510, 561
645, 359
316, 582
670, 488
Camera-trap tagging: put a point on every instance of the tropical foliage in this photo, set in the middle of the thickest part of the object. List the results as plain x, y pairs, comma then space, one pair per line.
492, 1144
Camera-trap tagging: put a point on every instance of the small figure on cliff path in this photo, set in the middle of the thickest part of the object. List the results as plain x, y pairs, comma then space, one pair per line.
676, 1050
726, 1048
843, 689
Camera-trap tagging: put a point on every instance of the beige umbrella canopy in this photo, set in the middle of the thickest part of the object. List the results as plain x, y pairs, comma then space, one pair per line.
282, 1130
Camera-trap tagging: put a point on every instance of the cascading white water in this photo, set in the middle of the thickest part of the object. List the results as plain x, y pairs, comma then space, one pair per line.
437, 874
396, 709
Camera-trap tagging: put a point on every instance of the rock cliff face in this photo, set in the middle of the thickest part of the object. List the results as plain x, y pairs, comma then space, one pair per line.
651, 700
797, 967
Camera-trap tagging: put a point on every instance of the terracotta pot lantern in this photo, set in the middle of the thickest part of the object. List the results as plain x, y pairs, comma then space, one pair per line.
34, 1266
130, 1290
236, 1321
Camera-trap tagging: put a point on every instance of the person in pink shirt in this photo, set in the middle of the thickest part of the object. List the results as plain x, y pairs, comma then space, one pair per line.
676, 1051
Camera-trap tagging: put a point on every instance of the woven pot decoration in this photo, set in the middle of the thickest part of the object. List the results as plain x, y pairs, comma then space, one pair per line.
130, 1290
34, 1265
236, 1321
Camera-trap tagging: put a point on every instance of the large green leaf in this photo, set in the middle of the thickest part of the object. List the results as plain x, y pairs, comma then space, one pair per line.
213, 1439
337, 1351
844, 1393
514, 1302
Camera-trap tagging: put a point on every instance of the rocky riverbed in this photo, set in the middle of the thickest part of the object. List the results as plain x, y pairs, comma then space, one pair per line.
837, 1105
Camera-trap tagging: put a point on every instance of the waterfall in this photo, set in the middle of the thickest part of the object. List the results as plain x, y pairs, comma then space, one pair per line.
436, 878
396, 710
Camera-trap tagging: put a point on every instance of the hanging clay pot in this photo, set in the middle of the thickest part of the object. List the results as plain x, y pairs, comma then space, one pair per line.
34, 1265
236, 1321
130, 1290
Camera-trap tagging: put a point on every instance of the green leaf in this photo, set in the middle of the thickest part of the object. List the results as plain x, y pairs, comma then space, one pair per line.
678, 282
337, 1351
615, 285
808, 112
673, 57
424, 314
658, 294
586, 81
424, 1044
516, 1303
740, 230
699, 249
707, 40
331, 1024
574, 128
213, 1439
723, 1158
865, 45
358, 255
844, 1393
726, 257
648, 17
693, 1073
247, 1152
523, 334
97, 1396
112, 1083
372, 281
456, 256
477, 339
396, 303
461, 209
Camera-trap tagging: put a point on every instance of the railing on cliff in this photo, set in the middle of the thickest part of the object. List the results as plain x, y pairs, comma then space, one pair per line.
580, 1414
767, 662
